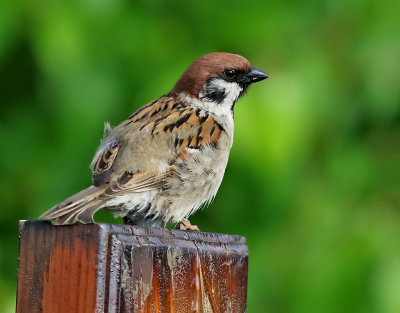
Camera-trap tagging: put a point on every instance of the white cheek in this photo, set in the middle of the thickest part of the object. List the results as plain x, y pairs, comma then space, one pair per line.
231, 90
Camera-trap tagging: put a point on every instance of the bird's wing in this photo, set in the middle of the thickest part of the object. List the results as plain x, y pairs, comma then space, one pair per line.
105, 159
190, 128
135, 182
162, 132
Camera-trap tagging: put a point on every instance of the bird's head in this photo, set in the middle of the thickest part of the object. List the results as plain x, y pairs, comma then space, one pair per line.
219, 78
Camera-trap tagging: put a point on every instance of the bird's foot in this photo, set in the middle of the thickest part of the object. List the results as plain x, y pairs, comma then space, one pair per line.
185, 225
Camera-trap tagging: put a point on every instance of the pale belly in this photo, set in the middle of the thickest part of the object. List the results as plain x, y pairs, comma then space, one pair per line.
195, 183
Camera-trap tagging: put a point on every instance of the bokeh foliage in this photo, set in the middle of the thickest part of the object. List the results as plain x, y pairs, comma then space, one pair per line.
313, 178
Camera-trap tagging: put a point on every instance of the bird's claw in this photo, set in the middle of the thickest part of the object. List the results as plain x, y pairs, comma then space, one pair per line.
185, 225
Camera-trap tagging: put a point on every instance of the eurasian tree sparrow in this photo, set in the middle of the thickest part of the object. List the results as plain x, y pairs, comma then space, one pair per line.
169, 157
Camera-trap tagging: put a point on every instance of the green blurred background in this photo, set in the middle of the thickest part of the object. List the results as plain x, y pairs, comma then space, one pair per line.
313, 177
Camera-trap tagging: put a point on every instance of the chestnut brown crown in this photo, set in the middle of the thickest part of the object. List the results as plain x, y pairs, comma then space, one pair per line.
206, 67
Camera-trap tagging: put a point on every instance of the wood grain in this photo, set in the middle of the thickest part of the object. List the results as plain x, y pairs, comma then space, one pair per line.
121, 268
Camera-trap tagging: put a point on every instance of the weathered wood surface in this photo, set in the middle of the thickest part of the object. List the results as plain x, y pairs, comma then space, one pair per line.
118, 268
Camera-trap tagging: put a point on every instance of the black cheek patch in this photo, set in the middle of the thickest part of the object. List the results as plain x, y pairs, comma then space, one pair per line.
213, 93
216, 95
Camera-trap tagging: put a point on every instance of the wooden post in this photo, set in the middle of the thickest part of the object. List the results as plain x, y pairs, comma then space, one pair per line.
119, 268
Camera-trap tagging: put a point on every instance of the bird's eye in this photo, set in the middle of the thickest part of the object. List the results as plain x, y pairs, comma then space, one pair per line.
229, 74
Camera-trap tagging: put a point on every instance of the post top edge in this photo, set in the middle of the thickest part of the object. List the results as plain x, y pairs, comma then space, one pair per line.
142, 231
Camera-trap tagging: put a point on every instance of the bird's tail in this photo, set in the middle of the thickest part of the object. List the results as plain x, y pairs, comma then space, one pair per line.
78, 208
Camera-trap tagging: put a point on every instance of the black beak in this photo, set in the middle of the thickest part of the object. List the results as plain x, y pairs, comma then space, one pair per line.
256, 75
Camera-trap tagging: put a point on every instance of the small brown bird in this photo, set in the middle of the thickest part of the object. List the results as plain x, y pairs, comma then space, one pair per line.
169, 157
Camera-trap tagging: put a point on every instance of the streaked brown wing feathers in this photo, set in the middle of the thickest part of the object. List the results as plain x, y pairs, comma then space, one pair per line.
189, 129
106, 159
170, 115
135, 182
